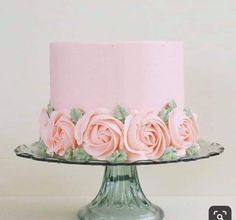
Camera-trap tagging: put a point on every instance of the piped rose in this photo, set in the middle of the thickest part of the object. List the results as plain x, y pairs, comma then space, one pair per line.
145, 136
57, 132
183, 130
99, 133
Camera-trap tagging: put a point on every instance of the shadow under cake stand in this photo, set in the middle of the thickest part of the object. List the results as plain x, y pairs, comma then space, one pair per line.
120, 196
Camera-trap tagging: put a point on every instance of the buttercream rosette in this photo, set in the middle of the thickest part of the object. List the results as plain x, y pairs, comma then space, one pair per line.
145, 136
99, 133
183, 130
57, 132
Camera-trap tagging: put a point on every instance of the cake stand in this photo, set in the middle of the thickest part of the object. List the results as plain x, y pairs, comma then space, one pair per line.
120, 196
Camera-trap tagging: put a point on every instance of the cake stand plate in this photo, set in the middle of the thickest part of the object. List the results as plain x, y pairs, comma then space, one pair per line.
120, 196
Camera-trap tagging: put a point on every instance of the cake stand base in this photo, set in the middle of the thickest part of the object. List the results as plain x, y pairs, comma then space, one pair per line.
120, 198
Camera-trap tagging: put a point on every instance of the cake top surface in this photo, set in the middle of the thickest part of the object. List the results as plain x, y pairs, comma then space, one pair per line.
114, 43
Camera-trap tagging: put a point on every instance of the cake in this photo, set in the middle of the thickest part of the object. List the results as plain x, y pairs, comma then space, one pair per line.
119, 101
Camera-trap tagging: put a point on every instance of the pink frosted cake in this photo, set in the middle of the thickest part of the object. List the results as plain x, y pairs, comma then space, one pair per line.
117, 101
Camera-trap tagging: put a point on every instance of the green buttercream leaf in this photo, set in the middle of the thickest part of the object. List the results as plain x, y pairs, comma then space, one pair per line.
164, 114
76, 114
120, 113
117, 156
188, 112
172, 104
193, 150
169, 154
39, 148
50, 109
81, 154
68, 154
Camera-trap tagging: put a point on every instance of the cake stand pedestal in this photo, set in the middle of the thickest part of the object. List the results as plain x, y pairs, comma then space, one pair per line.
120, 196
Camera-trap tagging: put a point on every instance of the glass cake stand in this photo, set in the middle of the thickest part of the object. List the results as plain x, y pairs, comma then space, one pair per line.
120, 196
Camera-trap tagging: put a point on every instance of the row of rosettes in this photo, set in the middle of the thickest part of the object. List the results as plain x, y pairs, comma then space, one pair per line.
105, 135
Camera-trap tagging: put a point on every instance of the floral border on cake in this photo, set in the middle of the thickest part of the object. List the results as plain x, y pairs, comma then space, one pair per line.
119, 135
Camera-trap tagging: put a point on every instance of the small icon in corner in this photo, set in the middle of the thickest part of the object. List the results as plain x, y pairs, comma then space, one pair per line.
220, 213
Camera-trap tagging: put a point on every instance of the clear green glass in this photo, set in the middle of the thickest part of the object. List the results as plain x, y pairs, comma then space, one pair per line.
121, 198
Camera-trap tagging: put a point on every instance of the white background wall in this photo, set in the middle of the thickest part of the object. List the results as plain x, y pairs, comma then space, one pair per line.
208, 28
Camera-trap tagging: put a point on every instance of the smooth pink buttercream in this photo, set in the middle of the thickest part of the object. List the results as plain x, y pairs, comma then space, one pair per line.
145, 136
99, 133
138, 75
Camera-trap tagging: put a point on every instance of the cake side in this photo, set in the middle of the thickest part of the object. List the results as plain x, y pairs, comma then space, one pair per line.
118, 102
139, 75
